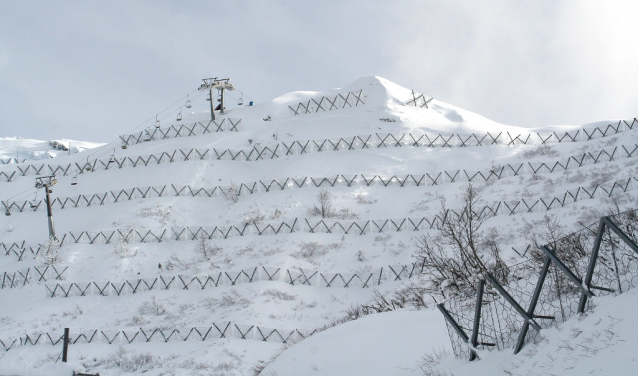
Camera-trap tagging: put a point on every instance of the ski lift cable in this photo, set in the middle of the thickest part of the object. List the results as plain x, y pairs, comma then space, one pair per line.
108, 146
154, 117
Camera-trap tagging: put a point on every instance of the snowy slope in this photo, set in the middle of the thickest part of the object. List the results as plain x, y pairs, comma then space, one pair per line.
17, 148
273, 304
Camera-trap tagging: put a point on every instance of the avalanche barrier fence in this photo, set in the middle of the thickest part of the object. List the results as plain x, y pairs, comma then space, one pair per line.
203, 333
377, 140
295, 277
264, 186
513, 305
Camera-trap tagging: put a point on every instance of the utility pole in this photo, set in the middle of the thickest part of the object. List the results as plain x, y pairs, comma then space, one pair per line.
219, 84
47, 182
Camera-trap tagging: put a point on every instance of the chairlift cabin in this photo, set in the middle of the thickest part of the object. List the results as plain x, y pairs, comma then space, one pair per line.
188, 102
124, 146
74, 181
7, 213
157, 122
87, 166
240, 101
179, 115
112, 159
148, 136
34, 203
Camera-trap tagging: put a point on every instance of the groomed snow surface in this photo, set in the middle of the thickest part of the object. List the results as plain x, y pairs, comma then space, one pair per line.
401, 342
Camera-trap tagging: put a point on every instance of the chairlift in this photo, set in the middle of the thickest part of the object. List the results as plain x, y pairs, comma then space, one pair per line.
112, 159
124, 146
208, 97
34, 203
7, 213
74, 181
179, 115
148, 136
88, 165
240, 101
157, 122
188, 102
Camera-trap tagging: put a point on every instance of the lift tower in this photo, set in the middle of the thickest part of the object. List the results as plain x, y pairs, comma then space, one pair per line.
47, 182
221, 85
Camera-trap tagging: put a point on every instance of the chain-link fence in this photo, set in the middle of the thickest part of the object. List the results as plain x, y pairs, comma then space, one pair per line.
512, 306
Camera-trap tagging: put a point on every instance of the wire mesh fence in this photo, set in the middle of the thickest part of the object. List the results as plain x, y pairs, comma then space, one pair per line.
22, 251
11, 160
419, 100
427, 179
357, 227
32, 274
295, 277
214, 331
181, 130
512, 306
377, 140
329, 103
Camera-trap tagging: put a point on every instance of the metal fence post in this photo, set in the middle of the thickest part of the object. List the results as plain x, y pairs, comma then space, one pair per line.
592, 265
532, 305
549, 253
514, 303
457, 328
477, 317
65, 344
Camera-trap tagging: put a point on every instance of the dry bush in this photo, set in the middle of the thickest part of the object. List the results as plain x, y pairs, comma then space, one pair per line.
323, 207
461, 252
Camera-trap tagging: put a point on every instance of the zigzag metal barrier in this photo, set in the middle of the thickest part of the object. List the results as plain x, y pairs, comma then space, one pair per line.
544, 292
11, 160
361, 227
33, 274
282, 149
262, 273
205, 333
181, 130
22, 251
419, 100
262, 186
334, 102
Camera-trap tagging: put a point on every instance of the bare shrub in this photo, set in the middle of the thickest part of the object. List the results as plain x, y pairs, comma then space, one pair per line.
544, 150
279, 295
207, 250
252, 218
152, 308
310, 251
460, 253
323, 207
364, 199
232, 192
346, 213
129, 362
360, 256
429, 364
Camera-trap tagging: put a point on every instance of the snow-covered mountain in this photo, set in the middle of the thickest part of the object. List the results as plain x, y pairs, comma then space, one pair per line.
383, 158
17, 149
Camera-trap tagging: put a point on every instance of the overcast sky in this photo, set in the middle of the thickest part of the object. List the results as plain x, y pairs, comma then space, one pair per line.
91, 70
